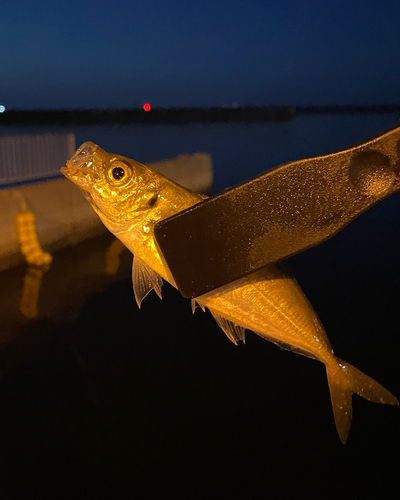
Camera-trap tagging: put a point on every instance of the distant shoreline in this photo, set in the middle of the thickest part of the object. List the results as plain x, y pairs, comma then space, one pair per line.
247, 114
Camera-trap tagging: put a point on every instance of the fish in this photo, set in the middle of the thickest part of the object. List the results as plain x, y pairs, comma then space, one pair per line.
130, 198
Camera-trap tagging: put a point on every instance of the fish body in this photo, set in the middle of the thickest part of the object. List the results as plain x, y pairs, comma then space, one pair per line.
130, 199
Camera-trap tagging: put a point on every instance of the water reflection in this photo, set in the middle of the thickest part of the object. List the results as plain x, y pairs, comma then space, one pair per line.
29, 294
32, 282
29, 305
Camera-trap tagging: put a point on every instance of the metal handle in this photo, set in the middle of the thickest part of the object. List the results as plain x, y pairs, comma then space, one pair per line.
276, 215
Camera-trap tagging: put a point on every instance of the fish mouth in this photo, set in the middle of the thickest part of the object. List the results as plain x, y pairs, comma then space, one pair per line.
66, 171
75, 176
80, 163
71, 172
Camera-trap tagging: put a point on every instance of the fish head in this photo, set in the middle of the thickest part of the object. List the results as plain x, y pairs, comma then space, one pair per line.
119, 189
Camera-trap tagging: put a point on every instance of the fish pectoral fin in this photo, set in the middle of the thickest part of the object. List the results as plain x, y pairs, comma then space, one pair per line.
232, 331
144, 280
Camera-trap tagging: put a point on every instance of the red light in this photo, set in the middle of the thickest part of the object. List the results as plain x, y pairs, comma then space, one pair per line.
147, 106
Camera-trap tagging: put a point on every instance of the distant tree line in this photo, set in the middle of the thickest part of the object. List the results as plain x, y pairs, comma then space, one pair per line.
156, 115
181, 115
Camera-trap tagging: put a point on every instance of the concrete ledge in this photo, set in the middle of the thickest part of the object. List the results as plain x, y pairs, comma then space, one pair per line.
64, 217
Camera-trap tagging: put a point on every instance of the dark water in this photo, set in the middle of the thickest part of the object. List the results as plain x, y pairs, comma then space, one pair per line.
239, 151
100, 399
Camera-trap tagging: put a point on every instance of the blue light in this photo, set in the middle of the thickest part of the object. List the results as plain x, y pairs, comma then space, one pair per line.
2, 108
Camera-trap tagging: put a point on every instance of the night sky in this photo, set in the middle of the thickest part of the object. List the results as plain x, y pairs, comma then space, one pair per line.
71, 54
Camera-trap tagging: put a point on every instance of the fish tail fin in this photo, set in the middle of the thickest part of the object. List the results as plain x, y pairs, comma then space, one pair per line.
343, 381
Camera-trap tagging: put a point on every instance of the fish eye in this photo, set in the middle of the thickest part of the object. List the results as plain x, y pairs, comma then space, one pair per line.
119, 173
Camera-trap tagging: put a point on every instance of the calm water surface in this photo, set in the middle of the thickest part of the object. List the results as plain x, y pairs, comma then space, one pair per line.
100, 399
239, 151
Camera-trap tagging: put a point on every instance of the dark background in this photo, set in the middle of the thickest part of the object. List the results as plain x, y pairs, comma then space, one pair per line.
158, 403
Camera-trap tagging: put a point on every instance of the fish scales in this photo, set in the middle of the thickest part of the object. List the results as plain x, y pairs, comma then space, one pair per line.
130, 199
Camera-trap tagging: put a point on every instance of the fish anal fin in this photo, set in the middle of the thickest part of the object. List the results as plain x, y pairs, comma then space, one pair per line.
286, 345
197, 304
234, 332
144, 280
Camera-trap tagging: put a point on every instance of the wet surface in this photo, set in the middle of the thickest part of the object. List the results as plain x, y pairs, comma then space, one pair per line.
99, 398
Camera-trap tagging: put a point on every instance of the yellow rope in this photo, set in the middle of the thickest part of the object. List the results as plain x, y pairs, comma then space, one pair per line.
28, 240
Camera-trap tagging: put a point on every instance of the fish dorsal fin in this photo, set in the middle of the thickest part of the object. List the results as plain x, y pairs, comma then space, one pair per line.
196, 304
144, 280
233, 332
